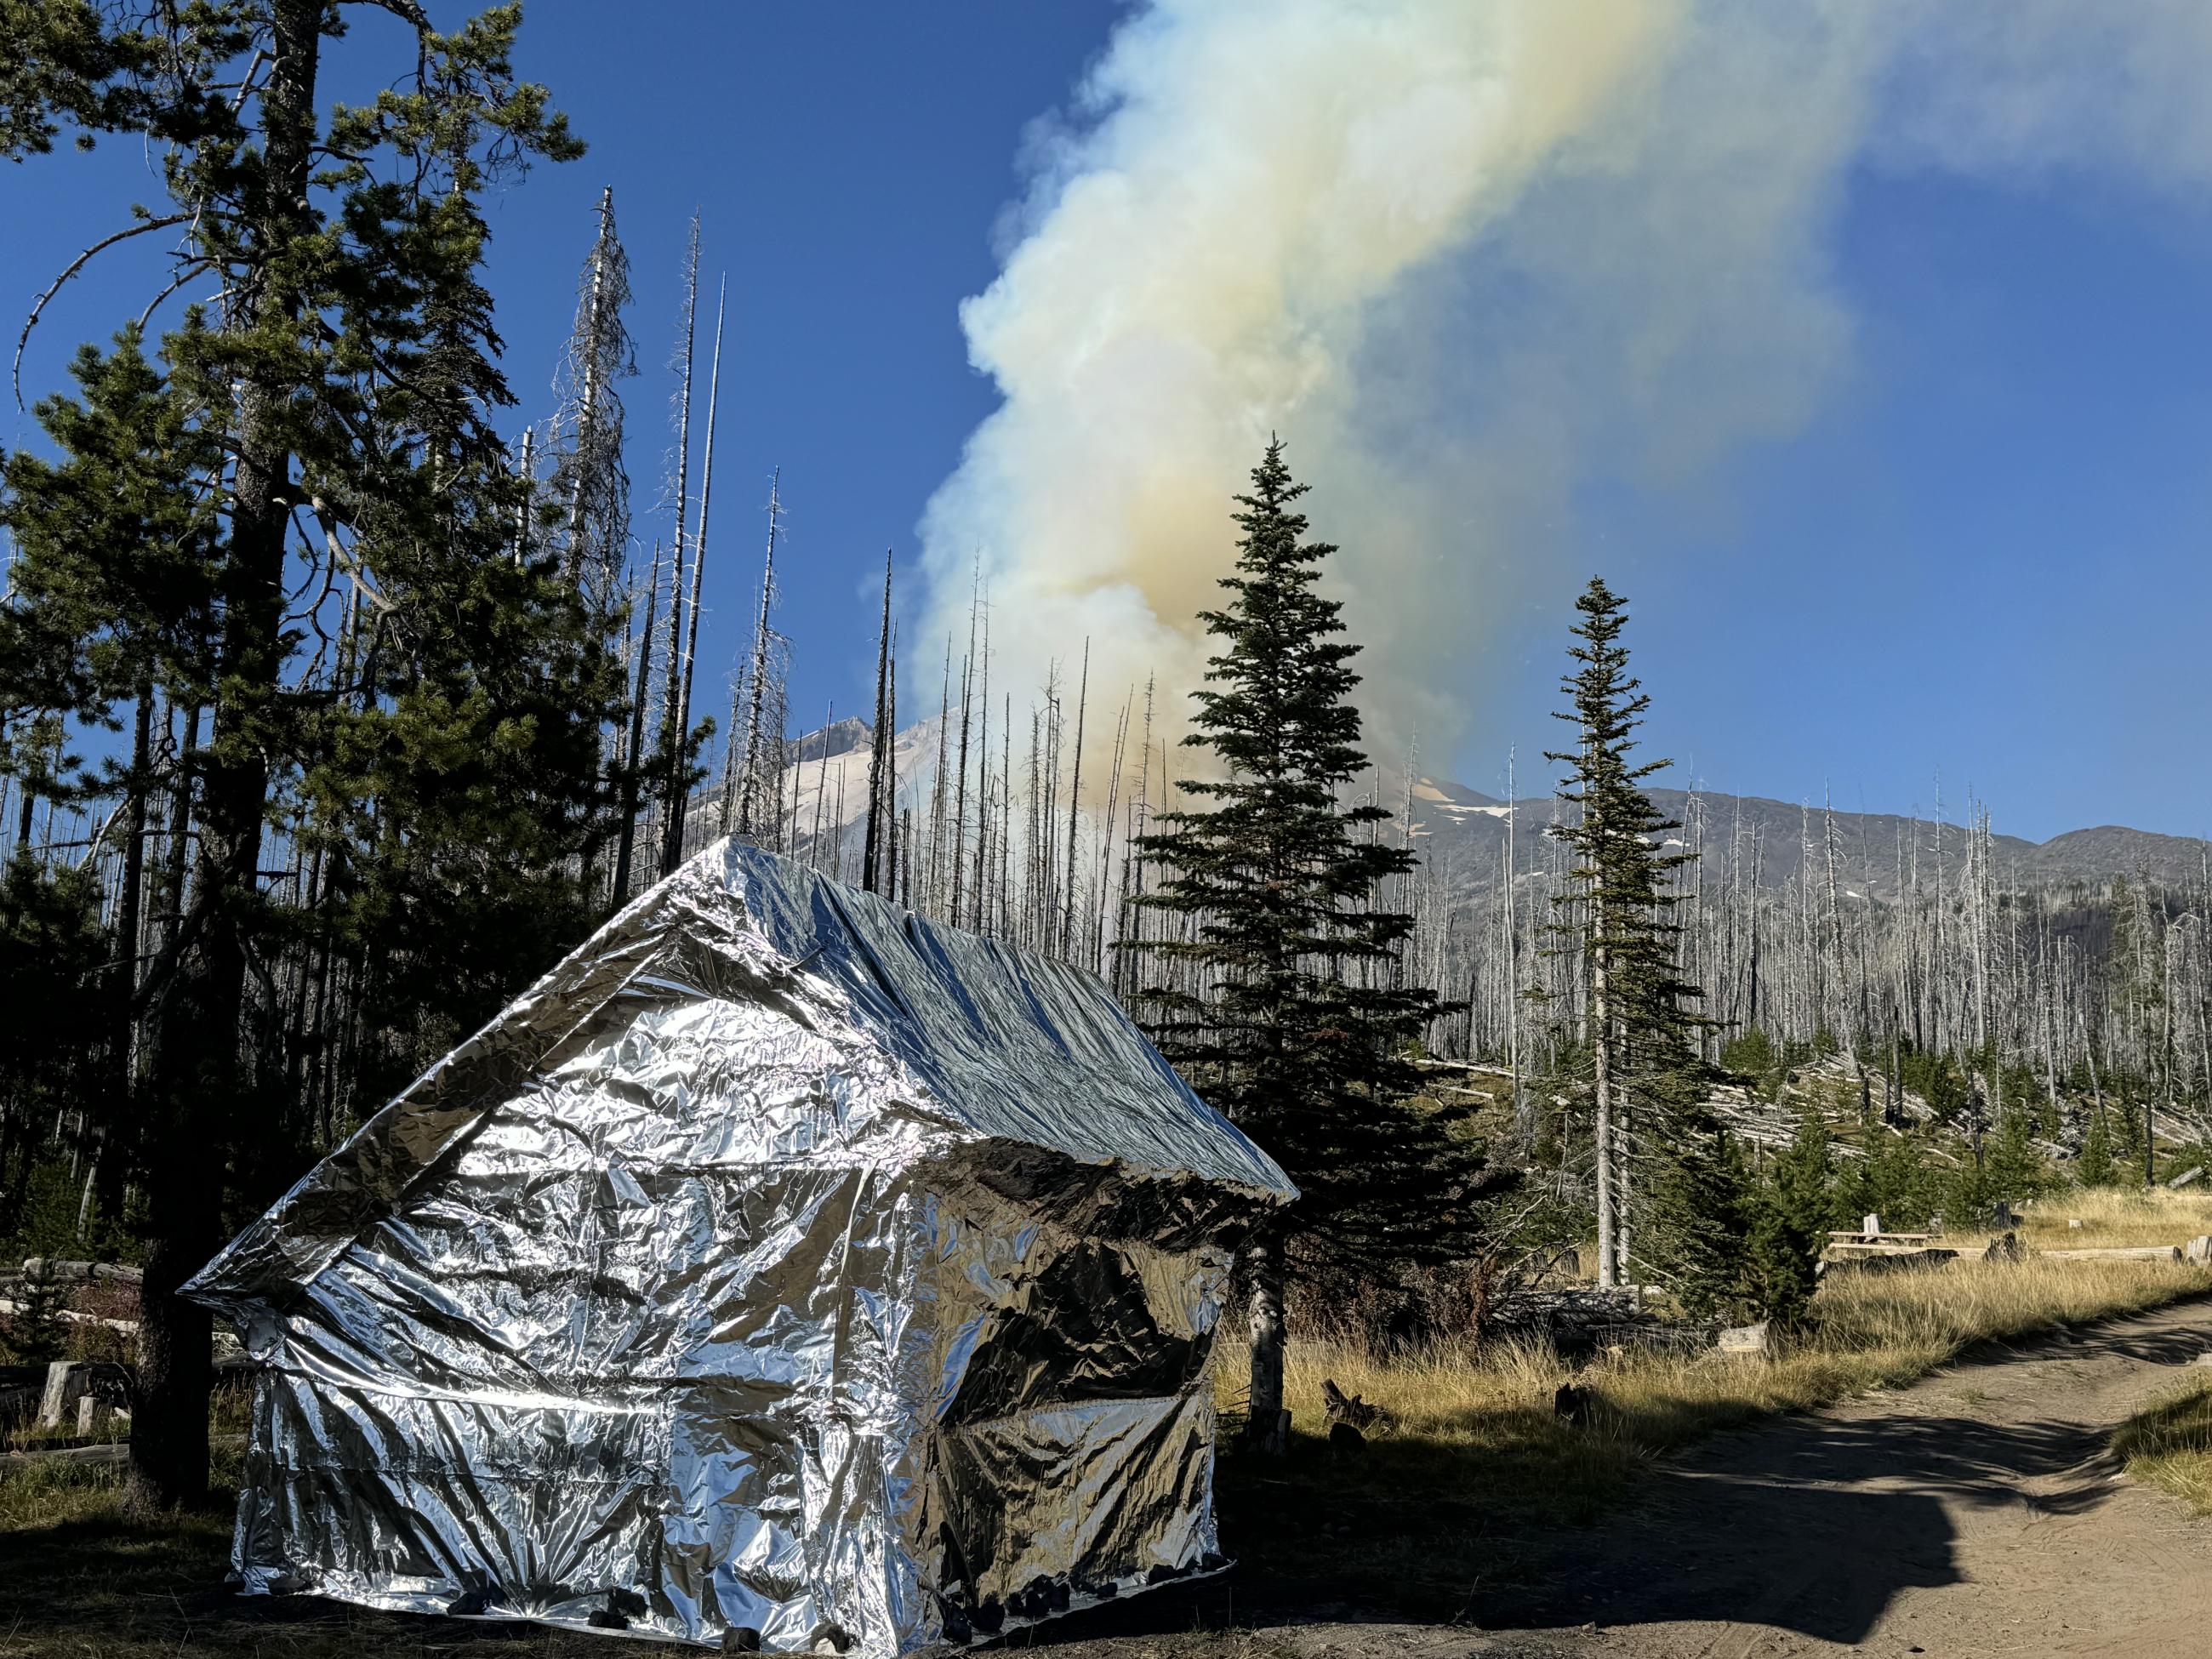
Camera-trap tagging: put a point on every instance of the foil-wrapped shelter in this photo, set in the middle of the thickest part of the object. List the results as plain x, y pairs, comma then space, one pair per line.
780, 1267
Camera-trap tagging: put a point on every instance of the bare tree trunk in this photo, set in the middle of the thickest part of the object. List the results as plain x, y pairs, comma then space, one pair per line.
873, 844
1602, 1056
525, 469
105, 1177
757, 674
671, 733
633, 763
892, 834
821, 786
197, 1039
1268, 1425
983, 778
1524, 1116
1074, 796
671, 849
933, 878
958, 915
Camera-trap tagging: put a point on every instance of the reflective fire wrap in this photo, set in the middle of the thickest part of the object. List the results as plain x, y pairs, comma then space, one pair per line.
780, 1264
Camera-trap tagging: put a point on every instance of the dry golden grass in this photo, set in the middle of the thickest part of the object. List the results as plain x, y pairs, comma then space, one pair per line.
2109, 1217
1477, 1453
2170, 1445
1867, 1331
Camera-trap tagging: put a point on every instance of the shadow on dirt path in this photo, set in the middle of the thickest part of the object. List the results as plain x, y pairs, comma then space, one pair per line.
1978, 1511
1975, 1513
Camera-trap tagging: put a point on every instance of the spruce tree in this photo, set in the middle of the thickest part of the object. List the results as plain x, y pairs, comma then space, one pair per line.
1703, 1206
1278, 993
2096, 1166
1647, 1083
1796, 1213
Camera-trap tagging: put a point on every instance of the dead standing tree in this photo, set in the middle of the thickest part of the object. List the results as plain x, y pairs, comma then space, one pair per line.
680, 670
762, 688
877, 860
590, 482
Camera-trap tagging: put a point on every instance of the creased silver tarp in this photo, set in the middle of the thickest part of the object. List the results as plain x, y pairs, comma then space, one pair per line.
780, 1263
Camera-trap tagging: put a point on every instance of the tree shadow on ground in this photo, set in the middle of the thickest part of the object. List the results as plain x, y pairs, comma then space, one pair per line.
1812, 1523
105, 1586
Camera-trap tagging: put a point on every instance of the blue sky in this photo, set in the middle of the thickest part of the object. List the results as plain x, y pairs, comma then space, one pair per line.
1983, 550
1986, 555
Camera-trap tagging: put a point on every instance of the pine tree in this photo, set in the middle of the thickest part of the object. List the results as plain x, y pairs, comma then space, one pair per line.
111, 606
1276, 995
1646, 1077
2016, 1171
346, 371
35, 1331
1893, 1181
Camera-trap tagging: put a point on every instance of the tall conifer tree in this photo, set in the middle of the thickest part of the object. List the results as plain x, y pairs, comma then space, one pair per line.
1276, 995
345, 372
1619, 910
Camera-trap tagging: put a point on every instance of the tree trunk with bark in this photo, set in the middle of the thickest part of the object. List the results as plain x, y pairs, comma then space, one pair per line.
194, 1082
1268, 1425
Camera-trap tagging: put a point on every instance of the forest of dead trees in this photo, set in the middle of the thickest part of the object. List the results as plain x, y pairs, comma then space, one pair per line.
1017, 811
333, 711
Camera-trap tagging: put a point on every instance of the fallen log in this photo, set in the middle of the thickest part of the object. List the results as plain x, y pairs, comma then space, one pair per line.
116, 1451
2119, 1253
1342, 1407
80, 1273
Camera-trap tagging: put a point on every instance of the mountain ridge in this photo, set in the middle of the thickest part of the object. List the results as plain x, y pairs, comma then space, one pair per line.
1464, 830
1875, 852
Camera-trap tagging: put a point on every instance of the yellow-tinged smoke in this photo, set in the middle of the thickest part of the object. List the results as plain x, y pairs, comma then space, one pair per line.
1465, 255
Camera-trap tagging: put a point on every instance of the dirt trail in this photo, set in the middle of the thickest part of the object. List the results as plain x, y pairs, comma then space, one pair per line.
1975, 1514
1978, 1513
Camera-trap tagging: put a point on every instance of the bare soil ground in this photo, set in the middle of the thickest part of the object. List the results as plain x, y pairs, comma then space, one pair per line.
1979, 1513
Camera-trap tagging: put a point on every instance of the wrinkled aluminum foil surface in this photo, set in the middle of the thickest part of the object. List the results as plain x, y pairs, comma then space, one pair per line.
781, 1264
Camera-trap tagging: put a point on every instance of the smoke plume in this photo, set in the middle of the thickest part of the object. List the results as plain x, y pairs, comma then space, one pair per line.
1467, 256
